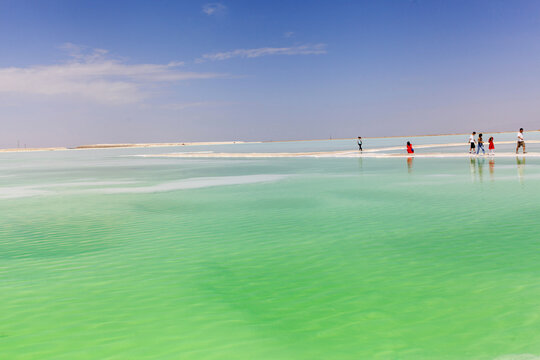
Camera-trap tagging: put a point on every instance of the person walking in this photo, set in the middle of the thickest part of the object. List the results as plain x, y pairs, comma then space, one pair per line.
472, 142
359, 142
491, 146
480, 145
520, 141
410, 149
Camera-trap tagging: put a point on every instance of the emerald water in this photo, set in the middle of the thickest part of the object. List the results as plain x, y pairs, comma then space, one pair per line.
106, 255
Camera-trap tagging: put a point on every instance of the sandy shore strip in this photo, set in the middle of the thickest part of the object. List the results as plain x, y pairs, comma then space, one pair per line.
251, 155
127, 146
149, 145
32, 149
375, 153
336, 154
427, 146
453, 155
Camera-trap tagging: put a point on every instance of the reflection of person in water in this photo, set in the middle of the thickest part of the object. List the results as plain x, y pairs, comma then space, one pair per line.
410, 164
481, 168
472, 166
491, 168
520, 167
477, 169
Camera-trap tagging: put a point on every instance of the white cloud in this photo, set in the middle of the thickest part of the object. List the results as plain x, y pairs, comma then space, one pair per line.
288, 34
182, 106
253, 53
213, 8
93, 76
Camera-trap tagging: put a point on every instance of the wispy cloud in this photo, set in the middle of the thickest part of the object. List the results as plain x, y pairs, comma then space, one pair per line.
266, 51
92, 75
183, 106
288, 34
214, 8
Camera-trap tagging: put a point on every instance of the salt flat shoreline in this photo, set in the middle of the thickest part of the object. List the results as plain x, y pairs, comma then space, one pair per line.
127, 146
373, 153
33, 149
341, 154
202, 143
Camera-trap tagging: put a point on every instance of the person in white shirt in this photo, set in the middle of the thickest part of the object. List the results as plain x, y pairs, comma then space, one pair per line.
472, 143
520, 141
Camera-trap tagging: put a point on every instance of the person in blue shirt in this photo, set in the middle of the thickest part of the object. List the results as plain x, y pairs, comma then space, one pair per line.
480, 145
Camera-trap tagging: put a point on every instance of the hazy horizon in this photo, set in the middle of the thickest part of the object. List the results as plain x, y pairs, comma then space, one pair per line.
139, 72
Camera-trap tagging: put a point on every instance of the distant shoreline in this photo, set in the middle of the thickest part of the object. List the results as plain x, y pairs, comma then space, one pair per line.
144, 145
126, 146
201, 143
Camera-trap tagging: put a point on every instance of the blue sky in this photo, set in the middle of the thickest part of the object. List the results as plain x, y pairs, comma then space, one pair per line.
77, 72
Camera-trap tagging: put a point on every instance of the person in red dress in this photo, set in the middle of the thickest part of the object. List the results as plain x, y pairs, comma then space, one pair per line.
410, 149
491, 147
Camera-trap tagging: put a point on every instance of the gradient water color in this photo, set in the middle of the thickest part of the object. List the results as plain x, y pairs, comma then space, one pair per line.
106, 255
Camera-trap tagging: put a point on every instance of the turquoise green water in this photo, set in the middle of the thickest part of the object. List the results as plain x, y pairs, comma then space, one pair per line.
108, 256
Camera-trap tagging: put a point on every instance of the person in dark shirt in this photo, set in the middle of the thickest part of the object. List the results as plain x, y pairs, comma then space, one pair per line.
480, 145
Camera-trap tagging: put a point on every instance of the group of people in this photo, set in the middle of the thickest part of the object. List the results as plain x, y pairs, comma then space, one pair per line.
478, 144
475, 145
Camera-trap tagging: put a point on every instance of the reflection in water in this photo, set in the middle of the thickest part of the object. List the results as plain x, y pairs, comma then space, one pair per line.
410, 164
472, 167
477, 168
520, 168
481, 163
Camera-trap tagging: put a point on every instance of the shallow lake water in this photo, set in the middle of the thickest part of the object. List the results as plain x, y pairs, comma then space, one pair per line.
106, 255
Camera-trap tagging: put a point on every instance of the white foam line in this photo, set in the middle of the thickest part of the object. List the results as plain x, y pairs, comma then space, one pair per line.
193, 183
21, 192
37, 190
88, 184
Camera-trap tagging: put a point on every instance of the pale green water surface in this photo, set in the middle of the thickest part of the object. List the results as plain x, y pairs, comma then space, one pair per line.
108, 256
